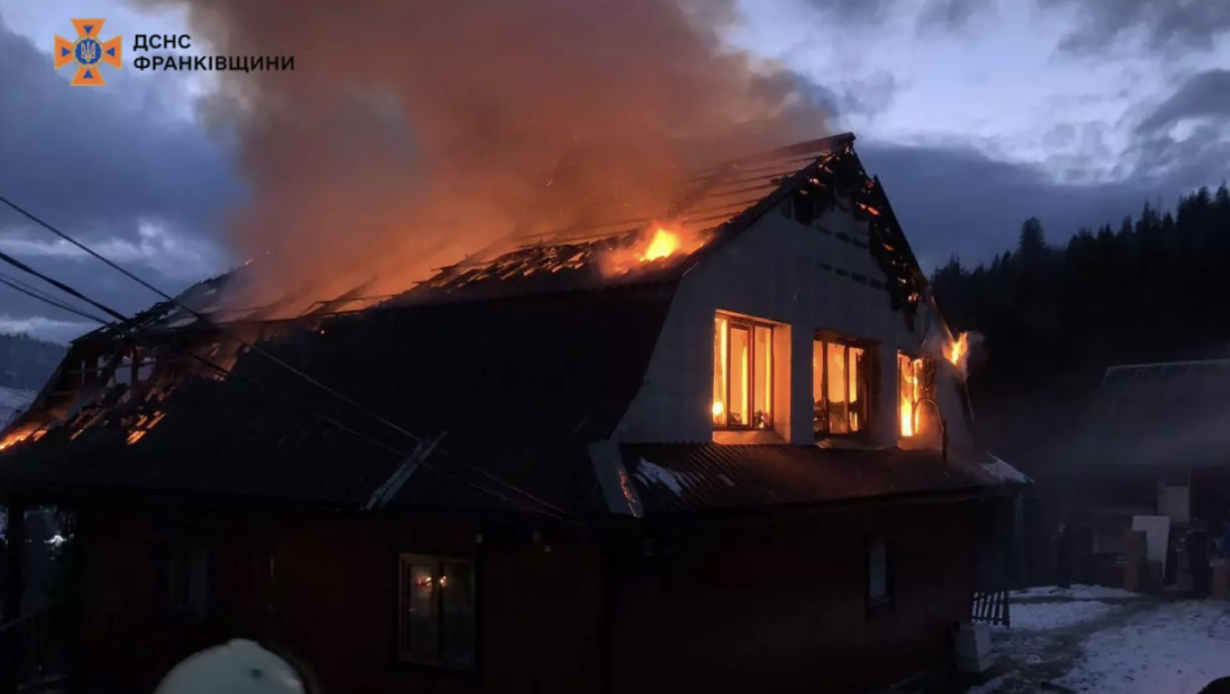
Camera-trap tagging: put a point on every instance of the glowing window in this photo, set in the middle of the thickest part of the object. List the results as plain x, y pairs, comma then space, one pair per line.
914, 387
841, 387
436, 611
742, 374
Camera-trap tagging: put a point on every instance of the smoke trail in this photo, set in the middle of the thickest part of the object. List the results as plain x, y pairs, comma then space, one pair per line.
413, 132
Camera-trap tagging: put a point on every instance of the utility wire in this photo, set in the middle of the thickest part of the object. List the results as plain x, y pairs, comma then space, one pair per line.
253, 347
262, 389
28, 290
60, 285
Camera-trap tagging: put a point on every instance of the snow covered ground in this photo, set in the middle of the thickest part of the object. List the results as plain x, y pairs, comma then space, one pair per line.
1109, 641
1076, 592
13, 402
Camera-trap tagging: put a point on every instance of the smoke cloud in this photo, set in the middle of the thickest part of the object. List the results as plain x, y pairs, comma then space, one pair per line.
414, 132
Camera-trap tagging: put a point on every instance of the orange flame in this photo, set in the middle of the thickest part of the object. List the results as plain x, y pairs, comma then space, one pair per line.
143, 425
20, 435
909, 395
957, 350
13, 439
663, 244
661, 241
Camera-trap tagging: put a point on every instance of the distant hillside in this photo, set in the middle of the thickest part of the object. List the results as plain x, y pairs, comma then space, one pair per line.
13, 402
27, 363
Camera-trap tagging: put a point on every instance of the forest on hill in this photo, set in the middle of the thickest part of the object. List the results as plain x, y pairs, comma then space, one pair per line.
1053, 317
26, 362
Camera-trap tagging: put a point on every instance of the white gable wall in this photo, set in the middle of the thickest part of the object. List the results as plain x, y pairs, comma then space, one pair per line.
773, 272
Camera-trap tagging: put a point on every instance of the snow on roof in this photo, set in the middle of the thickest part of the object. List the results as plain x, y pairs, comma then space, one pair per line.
1003, 471
648, 472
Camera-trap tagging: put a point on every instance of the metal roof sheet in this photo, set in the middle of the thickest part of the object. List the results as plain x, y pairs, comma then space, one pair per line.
691, 477
1173, 414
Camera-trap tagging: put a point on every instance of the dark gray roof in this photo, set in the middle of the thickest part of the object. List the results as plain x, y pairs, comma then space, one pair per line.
1159, 415
675, 478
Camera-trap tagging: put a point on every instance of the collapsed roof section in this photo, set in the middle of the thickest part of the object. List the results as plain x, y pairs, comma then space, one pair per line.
516, 386
719, 203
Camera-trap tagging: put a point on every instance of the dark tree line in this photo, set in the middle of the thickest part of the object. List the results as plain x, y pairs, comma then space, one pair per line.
1153, 288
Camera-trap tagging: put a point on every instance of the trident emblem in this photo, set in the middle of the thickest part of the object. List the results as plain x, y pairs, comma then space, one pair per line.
88, 52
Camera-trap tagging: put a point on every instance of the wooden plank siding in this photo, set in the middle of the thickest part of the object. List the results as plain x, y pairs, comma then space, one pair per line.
768, 602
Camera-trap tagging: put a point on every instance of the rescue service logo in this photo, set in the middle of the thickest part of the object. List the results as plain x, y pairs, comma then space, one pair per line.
89, 53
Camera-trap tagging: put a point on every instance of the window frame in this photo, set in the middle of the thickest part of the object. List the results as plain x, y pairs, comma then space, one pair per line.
867, 375
404, 651
185, 575
876, 603
750, 325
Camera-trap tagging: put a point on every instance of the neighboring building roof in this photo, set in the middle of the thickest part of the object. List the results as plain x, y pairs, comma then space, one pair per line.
688, 478
1159, 415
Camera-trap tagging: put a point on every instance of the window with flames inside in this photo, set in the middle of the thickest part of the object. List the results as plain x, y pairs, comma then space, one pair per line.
841, 387
742, 374
916, 395
436, 601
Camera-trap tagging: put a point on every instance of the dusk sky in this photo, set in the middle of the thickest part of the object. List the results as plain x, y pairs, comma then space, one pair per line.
975, 114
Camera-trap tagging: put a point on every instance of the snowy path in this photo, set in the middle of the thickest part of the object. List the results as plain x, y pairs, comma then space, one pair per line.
1106, 641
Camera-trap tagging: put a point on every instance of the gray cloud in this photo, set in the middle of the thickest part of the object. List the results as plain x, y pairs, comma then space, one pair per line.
110, 166
950, 14
851, 96
1178, 25
958, 200
97, 160
945, 14
1205, 95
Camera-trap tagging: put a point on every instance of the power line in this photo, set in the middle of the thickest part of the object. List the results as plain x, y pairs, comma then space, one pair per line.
28, 290
60, 285
251, 346
199, 316
36, 294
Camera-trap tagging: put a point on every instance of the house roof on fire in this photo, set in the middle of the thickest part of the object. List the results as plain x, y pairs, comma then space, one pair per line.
1160, 415
511, 368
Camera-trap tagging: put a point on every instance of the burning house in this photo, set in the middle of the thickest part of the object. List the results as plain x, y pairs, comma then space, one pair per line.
726, 446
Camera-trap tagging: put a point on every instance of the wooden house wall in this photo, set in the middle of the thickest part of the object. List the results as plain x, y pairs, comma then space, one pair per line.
754, 604
782, 606
328, 601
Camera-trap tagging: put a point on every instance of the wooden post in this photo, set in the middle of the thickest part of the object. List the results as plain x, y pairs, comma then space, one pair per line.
11, 582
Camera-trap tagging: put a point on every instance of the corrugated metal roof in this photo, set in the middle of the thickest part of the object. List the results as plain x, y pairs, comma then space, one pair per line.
1175, 414
683, 478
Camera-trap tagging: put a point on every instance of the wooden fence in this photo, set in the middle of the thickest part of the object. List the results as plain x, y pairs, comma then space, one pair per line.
992, 608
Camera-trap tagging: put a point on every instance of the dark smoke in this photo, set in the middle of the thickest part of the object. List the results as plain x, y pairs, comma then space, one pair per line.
413, 132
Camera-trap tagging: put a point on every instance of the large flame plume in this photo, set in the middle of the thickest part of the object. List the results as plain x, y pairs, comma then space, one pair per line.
657, 243
415, 132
